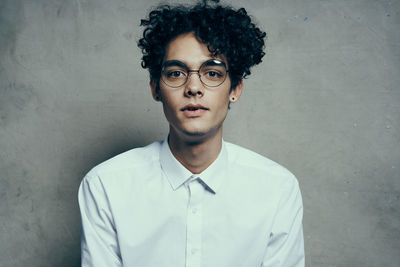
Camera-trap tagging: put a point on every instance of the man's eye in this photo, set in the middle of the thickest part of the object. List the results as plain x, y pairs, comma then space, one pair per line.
213, 74
175, 74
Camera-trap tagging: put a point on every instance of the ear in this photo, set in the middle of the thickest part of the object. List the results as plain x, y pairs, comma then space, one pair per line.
236, 92
154, 91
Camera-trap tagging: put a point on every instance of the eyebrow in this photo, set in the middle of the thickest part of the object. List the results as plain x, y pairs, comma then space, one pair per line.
210, 62
214, 62
178, 63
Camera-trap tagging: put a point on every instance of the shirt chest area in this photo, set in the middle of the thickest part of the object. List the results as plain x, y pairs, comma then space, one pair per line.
191, 226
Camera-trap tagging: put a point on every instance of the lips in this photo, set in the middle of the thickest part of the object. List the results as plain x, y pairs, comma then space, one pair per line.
192, 110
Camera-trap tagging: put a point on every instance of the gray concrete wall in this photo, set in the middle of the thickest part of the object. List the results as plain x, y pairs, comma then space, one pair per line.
325, 103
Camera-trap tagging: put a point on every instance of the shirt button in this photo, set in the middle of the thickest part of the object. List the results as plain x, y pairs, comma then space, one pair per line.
194, 251
194, 210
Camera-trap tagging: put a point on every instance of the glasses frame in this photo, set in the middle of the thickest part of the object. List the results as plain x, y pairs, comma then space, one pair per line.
181, 64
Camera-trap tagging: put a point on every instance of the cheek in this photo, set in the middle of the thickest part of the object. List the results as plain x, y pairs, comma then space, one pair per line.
223, 99
169, 104
166, 97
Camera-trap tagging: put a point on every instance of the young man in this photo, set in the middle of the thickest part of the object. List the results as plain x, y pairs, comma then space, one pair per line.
193, 200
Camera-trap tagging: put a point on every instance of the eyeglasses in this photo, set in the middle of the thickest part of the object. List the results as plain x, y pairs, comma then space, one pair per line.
212, 73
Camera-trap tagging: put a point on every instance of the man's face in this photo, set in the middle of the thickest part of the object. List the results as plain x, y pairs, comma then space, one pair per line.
194, 110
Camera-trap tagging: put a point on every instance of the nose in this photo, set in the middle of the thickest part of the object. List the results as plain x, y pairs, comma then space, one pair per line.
194, 86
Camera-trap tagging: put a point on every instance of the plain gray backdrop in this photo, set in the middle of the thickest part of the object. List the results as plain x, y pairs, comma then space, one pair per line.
325, 103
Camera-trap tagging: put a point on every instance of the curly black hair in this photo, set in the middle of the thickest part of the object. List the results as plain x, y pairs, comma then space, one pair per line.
223, 29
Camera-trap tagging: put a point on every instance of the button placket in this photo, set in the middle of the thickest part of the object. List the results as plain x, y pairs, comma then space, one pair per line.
194, 224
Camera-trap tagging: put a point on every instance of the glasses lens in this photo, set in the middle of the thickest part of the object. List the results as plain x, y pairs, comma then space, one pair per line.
213, 73
174, 76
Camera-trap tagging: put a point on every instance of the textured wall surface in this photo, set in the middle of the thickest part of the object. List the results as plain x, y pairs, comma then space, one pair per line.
325, 103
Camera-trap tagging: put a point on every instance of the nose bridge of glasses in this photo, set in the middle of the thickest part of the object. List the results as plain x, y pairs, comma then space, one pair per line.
193, 86
196, 71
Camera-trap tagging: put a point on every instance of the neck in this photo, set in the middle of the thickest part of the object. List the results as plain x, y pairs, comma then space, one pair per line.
195, 154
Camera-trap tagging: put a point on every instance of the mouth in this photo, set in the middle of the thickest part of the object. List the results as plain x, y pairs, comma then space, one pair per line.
191, 107
192, 111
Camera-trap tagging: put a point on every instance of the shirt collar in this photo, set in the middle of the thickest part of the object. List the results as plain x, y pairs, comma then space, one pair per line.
211, 178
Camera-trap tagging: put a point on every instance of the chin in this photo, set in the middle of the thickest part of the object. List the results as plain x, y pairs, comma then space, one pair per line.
194, 133
199, 132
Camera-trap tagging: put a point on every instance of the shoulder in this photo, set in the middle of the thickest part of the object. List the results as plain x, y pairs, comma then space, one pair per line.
127, 162
123, 176
255, 165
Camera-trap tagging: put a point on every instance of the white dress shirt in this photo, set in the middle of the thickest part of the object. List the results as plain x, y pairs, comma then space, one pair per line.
143, 208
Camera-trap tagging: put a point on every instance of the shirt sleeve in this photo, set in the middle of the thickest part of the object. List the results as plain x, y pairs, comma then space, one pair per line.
286, 244
99, 244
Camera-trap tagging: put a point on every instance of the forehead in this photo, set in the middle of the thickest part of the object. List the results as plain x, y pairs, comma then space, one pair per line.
188, 49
